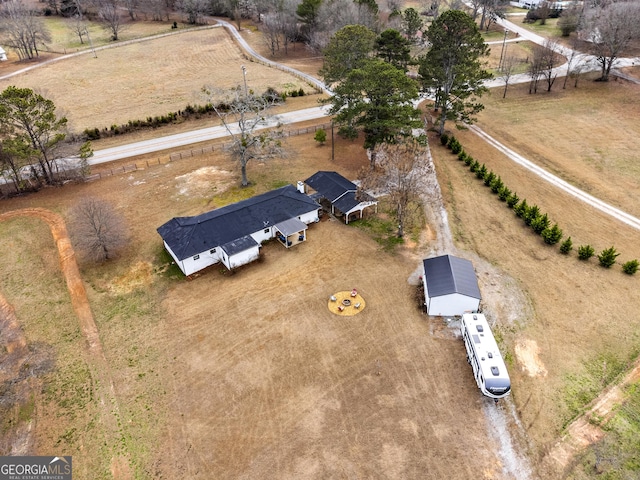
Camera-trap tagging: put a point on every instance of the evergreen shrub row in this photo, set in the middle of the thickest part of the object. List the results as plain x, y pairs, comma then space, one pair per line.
190, 111
531, 215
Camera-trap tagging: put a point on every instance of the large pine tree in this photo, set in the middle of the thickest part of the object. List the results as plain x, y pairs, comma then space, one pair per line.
453, 70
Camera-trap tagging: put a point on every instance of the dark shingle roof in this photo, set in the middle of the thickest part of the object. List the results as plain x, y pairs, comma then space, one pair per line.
448, 274
330, 184
188, 236
337, 189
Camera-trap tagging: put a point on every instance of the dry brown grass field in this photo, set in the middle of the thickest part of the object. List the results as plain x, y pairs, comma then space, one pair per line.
148, 78
250, 376
582, 311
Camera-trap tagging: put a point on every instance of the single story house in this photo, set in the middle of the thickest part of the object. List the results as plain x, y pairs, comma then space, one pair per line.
233, 234
342, 194
450, 286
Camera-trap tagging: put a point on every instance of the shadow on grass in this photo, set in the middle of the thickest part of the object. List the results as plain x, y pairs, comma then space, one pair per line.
383, 231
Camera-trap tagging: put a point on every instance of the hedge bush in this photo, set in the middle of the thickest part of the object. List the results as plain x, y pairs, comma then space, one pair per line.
607, 257
585, 252
540, 223
504, 193
512, 200
552, 235
496, 185
566, 246
488, 178
630, 267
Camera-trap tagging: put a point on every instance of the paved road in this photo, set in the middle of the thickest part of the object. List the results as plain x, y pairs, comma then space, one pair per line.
195, 136
187, 138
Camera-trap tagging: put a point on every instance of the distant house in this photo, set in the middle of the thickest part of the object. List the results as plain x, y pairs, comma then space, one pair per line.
342, 195
233, 234
450, 286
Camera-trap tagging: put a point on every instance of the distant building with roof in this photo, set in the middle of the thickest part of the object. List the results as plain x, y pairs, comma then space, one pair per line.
343, 195
233, 234
450, 286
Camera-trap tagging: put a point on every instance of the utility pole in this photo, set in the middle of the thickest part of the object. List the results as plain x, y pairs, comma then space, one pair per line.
504, 44
244, 75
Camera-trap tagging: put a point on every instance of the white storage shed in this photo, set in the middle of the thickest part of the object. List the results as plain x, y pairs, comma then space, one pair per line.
450, 286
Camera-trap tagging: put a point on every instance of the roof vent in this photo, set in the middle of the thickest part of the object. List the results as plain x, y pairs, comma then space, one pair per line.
495, 372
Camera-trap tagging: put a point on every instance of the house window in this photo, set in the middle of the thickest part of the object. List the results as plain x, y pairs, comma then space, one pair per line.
196, 257
266, 230
213, 250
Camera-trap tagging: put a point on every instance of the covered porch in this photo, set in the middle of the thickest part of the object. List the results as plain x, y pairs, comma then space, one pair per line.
291, 232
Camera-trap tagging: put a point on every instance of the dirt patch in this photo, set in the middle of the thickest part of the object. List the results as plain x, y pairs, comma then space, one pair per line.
527, 353
139, 275
205, 181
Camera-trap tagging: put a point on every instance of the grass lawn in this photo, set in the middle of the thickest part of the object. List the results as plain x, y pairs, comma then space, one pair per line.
149, 78
249, 375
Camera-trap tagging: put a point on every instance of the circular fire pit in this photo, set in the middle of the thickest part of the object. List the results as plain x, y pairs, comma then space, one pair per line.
346, 303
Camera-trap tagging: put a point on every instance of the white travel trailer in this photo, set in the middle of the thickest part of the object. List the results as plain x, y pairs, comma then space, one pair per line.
483, 355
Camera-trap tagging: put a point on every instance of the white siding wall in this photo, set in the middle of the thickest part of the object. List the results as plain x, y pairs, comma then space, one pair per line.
205, 259
243, 258
192, 264
262, 236
310, 217
451, 305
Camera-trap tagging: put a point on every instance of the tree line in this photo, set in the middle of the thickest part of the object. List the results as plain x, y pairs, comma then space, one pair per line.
32, 143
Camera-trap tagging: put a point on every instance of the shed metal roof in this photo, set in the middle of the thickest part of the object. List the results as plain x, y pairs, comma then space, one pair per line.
448, 274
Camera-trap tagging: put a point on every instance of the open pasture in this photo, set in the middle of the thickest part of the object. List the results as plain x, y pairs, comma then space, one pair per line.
583, 314
244, 375
250, 375
148, 78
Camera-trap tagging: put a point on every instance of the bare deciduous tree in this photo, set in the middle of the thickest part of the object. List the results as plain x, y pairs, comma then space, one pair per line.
193, 10
109, 15
610, 29
22, 29
536, 65
509, 64
97, 230
335, 14
491, 10
157, 10
279, 26
548, 61
79, 27
399, 171
245, 115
